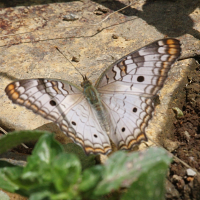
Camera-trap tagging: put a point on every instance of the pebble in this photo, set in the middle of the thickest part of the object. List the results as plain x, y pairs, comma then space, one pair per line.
70, 17
191, 172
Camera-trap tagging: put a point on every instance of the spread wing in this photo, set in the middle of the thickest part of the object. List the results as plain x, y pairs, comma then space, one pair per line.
63, 103
128, 86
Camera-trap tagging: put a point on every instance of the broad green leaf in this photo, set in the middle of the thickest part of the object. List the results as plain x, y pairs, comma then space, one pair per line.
54, 174
91, 177
86, 160
16, 138
46, 149
123, 169
50, 169
150, 185
66, 196
50, 173
7, 170
45, 194
66, 171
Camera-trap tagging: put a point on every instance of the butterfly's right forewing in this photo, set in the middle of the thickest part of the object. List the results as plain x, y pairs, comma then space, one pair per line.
141, 72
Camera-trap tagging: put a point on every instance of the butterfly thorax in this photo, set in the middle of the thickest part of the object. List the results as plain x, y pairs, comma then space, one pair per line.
93, 97
90, 92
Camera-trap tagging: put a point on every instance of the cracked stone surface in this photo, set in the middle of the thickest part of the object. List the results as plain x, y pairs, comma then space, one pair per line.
29, 35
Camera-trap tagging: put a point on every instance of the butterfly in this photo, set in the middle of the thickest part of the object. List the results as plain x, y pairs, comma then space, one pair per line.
118, 107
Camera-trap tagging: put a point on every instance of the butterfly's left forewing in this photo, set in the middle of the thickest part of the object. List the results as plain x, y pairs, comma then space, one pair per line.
128, 86
45, 97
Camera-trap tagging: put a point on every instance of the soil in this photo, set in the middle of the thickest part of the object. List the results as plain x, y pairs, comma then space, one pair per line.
187, 135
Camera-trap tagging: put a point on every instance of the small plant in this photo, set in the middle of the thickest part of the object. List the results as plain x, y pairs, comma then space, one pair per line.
55, 174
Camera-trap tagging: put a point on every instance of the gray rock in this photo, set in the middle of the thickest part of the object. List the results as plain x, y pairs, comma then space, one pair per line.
190, 172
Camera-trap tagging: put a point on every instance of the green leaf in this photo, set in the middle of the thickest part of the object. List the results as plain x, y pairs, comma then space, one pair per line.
7, 170
86, 160
150, 185
91, 177
46, 149
123, 169
40, 195
50, 173
15, 138
67, 170
53, 174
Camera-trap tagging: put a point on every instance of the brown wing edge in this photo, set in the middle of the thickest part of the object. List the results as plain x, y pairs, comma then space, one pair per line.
132, 141
106, 149
167, 41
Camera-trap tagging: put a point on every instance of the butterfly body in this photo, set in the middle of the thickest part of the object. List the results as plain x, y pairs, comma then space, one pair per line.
118, 107
93, 98
90, 92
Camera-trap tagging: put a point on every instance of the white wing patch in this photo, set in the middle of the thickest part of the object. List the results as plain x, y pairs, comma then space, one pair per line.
129, 114
87, 129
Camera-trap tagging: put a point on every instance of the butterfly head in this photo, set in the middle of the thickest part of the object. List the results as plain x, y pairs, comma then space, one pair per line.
86, 83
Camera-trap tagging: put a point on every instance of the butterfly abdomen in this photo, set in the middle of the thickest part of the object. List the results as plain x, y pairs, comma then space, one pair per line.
94, 100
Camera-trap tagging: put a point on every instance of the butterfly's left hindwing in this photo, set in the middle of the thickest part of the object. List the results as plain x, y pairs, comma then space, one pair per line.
89, 132
128, 86
63, 103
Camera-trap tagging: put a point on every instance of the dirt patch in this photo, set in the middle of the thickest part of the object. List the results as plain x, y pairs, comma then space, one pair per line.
187, 135
23, 150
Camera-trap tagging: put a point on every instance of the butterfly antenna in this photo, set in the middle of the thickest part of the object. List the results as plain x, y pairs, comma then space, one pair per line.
69, 61
112, 14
